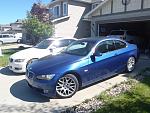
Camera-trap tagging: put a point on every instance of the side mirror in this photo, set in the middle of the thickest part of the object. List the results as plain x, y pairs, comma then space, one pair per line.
94, 55
51, 50
97, 53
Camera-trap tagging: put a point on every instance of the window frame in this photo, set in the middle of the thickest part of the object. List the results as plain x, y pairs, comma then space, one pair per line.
65, 13
59, 6
51, 10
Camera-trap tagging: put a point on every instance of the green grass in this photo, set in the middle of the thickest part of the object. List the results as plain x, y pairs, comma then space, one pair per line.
5, 58
136, 100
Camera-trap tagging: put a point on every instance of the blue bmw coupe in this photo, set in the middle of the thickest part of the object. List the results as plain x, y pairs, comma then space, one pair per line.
82, 63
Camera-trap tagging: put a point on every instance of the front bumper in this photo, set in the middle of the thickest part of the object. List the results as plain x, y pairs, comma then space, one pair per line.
46, 88
17, 67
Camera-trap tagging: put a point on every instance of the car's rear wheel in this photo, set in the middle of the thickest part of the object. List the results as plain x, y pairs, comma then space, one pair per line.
19, 41
131, 64
67, 86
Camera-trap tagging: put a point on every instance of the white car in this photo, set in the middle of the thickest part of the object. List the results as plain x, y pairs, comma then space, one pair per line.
9, 38
18, 61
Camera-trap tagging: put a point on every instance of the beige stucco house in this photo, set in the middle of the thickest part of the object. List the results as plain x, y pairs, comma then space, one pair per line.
67, 18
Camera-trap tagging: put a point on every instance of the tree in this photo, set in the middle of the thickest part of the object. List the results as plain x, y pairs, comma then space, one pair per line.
41, 11
37, 29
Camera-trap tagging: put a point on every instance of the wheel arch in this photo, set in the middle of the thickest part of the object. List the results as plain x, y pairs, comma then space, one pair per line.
30, 60
77, 75
1, 41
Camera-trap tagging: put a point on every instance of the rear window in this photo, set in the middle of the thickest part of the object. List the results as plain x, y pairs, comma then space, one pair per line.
119, 44
117, 33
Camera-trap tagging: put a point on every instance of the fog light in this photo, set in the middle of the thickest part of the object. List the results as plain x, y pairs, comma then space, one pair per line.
45, 91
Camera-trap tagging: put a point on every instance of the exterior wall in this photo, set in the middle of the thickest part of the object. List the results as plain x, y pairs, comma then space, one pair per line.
74, 26
134, 5
106, 8
117, 6
146, 4
97, 12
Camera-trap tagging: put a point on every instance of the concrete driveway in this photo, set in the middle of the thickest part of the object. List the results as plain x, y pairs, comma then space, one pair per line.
17, 97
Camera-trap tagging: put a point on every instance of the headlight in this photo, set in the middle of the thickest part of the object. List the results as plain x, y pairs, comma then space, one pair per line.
46, 77
19, 60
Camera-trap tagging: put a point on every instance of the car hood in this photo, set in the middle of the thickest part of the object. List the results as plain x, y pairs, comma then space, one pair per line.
54, 63
30, 53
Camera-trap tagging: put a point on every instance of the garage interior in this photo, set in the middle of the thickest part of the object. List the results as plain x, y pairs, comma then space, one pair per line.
139, 28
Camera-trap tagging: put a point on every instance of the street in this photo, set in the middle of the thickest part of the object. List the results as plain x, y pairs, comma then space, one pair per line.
17, 97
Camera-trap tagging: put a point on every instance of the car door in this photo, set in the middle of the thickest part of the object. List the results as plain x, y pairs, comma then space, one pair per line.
121, 55
104, 64
8, 38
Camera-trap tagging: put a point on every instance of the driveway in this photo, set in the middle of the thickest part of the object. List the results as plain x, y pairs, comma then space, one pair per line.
17, 97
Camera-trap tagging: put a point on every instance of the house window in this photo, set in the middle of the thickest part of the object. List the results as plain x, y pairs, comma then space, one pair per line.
51, 10
56, 11
65, 9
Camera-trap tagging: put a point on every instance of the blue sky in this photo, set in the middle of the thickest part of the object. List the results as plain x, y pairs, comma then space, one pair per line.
11, 10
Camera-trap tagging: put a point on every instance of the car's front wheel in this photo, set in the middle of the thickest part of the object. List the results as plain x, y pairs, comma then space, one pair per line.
1, 42
67, 86
131, 64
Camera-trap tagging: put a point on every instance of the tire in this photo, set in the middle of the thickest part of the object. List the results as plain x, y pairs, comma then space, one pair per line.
131, 64
67, 86
1, 42
30, 61
19, 41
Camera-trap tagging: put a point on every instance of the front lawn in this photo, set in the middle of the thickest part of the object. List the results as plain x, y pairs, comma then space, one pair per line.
5, 58
136, 100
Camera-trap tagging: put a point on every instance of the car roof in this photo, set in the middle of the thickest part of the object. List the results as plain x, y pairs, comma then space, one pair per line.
96, 40
60, 38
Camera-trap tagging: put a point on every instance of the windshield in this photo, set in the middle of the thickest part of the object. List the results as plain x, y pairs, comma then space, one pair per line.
44, 44
81, 48
117, 33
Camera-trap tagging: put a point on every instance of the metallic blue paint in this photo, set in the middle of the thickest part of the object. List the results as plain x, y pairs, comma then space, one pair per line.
87, 70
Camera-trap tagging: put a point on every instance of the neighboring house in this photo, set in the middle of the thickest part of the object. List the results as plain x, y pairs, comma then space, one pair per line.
13, 28
4, 28
121, 15
67, 18
16, 28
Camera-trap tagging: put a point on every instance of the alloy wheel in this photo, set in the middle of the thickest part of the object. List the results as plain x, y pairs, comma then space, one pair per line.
67, 86
131, 64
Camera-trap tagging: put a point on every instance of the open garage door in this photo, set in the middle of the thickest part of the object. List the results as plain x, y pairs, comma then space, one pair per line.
140, 30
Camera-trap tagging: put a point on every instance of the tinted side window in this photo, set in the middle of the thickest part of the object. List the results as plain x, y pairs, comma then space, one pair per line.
119, 44
0, 36
5, 36
102, 48
110, 45
106, 46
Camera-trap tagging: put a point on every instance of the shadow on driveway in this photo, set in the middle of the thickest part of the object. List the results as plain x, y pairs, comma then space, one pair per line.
21, 90
7, 72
